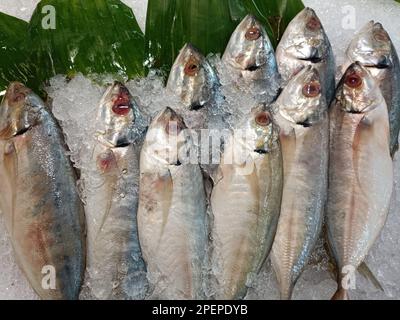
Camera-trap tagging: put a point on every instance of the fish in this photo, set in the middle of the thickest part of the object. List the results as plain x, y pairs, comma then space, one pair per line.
111, 182
302, 116
373, 48
195, 83
305, 43
360, 172
39, 197
172, 210
245, 204
250, 57
193, 79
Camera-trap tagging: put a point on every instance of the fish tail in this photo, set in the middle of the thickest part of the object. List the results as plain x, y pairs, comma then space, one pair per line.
341, 294
286, 292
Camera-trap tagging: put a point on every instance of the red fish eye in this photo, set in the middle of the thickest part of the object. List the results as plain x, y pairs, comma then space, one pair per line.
253, 34
18, 97
381, 36
353, 80
192, 67
312, 89
313, 24
173, 128
263, 119
122, 105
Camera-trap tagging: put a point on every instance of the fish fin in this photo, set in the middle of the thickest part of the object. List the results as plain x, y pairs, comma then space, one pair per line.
366, 272
216, 176
341, 294
11, 164
262, 264
286, 294
113, 177
163, 186
394, 149
332, 267
208, 184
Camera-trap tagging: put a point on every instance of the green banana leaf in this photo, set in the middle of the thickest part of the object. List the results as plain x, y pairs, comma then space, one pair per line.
99, 37
15, 63
92, 37
208, 24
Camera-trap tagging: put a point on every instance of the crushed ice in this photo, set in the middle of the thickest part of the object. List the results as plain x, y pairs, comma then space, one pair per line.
75, 105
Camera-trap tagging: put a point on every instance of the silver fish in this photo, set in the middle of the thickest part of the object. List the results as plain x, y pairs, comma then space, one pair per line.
245, 204
373, 48
251, 57
39, 198
305, 43
360, 171
111, 182
196, 83
302, 115
172, 210
193, 79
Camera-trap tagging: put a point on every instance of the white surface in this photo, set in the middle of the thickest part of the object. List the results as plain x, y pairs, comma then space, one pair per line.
315, 283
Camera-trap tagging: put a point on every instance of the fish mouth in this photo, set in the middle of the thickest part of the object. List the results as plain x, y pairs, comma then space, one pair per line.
253, 68
177, 163
22, 131
122, 145
312, 59
260, 151
196, 106
382, 66
354, 111
379, 65
305, 124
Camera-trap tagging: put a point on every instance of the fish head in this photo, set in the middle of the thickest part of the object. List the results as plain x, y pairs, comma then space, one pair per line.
372, 47
19, 110
305, 38
302, 101
358, 91
192, 78
166, 140
116, 116
261, 132
249, 48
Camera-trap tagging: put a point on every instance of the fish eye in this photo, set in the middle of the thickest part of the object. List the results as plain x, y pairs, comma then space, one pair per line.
253, 34
313, 24
173, 128
263, 119
18, 93
18, 96
381, 36
353, 80
122, 105
311, 89
192, 68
